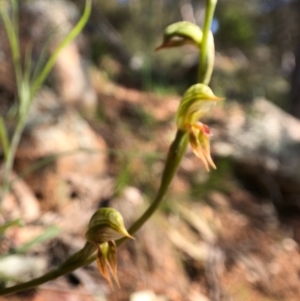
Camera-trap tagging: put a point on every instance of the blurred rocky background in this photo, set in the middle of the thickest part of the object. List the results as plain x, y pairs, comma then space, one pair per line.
98, 133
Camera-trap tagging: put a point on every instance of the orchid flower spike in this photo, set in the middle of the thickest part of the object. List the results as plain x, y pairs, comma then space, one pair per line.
106, 226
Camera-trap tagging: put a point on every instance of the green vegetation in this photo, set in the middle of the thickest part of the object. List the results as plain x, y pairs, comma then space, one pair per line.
106, 224
28, 81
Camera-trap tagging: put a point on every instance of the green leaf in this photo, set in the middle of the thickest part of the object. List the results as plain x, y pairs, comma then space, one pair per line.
49, 233
16, 222
11, 28
67, 40
4, 138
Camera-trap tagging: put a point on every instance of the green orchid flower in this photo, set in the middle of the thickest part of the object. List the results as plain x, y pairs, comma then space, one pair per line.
197, 101
106, 226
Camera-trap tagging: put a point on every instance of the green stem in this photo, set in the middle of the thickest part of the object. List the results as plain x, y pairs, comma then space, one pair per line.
207, 53
10, 157
12, 34
176, 152
72, 263
11, 30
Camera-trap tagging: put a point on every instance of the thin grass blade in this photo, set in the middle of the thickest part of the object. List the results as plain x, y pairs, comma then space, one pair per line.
4, 138
67, 40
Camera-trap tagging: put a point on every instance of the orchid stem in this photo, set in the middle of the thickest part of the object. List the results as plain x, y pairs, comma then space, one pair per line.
72, 263
207, 53
176, 152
